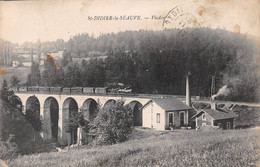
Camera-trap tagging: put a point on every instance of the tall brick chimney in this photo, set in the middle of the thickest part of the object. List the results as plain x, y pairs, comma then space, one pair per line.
212, 99
188, 99
213, 103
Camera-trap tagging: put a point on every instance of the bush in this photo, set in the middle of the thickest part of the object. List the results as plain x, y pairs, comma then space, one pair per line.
8, 149
75, 121
113, 124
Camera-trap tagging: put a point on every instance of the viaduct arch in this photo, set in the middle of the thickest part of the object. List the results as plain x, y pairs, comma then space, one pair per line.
89, 108
51, 118
137, 112
69, 109
109, 102
33, 105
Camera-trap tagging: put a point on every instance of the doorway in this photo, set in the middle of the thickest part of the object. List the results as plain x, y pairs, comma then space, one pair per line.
181, 118
170, 119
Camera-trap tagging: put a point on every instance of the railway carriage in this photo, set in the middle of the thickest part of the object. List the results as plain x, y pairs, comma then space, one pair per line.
44, 89
76, 89
55, 89
66, 90
88, 90
101, 90
33, 88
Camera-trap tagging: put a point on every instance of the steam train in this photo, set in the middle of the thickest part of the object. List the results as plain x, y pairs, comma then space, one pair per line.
87, 90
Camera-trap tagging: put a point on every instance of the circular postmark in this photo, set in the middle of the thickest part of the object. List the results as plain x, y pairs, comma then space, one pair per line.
178, 18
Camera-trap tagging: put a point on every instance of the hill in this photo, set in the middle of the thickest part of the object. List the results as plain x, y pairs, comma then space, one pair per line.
247, 116
157, 62
168, 148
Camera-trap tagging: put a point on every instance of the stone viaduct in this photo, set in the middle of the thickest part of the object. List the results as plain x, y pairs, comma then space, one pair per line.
55, 108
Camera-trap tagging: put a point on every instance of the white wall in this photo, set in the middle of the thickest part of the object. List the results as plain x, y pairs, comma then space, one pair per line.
147, 117
158, 110
150, 117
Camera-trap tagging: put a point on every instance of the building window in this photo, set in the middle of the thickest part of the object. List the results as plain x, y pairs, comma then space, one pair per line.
158, 118
228, 125
204, 124
203, 117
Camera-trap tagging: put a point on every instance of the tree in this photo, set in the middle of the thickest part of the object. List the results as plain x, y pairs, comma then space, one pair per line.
113, 123
34, 78
52, 74
34, 119
14, 81
75, 121
9, 96
4, 91
121, 67
66, 58
92, 73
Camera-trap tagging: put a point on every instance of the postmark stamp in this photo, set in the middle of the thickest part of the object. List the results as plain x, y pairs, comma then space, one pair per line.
178, 18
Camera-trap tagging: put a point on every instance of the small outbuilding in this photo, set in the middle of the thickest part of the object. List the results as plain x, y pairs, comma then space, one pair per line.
163, 113
221, 118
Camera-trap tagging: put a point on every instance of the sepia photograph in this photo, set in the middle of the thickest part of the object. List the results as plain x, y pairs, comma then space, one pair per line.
171, 83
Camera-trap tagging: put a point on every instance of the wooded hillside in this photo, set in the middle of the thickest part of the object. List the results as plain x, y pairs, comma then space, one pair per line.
158, 61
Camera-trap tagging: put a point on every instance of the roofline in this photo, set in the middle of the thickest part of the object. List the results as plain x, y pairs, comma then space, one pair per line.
230, 117
195, 115
225, 118
210, 115
204, 112
192, 106
150, 101
188, 107
178, 110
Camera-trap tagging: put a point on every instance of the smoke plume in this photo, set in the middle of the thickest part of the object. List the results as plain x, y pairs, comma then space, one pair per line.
222, 91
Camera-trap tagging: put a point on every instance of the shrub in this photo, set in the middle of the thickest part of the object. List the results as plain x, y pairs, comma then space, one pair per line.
113, 123
8, 149
75, 121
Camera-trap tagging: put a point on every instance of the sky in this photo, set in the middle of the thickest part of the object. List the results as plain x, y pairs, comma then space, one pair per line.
22, 21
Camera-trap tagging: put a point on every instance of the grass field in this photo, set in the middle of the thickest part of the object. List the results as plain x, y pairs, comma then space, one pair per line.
169, 148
